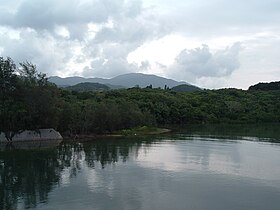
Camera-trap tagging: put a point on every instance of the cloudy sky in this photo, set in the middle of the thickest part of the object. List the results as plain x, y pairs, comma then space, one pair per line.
212, 44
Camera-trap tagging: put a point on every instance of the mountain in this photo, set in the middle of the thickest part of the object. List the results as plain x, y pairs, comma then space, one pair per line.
143, 80
266, 86
88, 86
69, 81
121, 81
185, 88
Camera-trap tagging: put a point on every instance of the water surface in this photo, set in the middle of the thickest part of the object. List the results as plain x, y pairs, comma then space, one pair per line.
187, 170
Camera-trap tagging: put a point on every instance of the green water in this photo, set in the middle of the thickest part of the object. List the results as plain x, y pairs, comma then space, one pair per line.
196, 168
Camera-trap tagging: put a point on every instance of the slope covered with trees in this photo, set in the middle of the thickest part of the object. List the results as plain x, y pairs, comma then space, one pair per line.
29, 101
266, 86
185, 88
88, 86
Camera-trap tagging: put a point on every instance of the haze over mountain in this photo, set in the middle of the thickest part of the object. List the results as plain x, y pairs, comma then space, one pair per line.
125, 81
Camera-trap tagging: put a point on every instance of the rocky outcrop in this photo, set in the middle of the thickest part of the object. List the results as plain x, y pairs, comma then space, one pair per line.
39, 135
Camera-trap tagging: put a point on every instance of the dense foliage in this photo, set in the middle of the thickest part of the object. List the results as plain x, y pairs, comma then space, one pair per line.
185, 88
29, 101
266, 86
88, 86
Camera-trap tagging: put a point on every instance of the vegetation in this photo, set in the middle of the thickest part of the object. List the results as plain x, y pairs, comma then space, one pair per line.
143, 130
185, 88
266, 86
29, 101
88, 86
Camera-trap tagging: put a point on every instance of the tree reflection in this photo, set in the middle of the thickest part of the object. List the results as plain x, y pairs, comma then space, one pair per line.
27, 176
113, 150
261, 132
70, 157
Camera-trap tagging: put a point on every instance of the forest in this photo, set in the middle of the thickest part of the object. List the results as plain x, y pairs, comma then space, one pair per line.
29, 101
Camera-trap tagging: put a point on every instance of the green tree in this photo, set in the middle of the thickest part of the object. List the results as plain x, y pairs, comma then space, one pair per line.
28, 100
9, 108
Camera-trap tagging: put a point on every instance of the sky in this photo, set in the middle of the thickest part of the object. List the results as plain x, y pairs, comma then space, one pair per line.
211, 44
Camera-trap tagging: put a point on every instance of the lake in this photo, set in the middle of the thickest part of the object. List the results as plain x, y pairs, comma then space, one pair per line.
209, 167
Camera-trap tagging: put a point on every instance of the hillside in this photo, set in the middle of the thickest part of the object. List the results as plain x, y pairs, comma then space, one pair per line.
266, 86
185, 88
88, 86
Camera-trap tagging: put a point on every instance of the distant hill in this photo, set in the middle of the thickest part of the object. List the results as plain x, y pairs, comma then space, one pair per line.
88, 86
266, 86
70, 81
185, 88
122, 81
143, 80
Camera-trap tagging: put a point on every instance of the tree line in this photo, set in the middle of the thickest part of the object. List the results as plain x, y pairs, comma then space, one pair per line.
30, 102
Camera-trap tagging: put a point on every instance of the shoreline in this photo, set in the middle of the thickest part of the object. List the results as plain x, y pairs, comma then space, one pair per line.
124, 133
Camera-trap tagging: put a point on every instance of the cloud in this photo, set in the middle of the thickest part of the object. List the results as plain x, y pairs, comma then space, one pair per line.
196, 63
210, 18
47, 13
44, 51
109, 68
74, 15
119, 27
95, 37
145, 65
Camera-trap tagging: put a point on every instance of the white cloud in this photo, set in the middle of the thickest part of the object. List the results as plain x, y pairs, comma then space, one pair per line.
109, 68
200, 62
47, 53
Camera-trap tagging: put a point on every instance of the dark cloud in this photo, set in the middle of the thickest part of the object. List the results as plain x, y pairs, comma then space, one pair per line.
47, 13
145, 65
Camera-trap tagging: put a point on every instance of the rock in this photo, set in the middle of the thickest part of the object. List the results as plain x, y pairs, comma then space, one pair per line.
29, 135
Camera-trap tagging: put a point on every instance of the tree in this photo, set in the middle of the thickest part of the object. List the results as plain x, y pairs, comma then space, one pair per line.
40, 98
31, 76
7, 77
28, 100
8, 107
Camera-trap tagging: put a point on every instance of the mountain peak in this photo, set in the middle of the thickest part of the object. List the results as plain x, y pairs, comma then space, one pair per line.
143, 80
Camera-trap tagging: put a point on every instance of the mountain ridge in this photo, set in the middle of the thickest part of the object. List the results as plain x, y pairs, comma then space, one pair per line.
121, 81
88, 86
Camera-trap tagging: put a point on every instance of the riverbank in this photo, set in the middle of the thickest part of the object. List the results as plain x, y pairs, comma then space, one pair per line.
144, 130
139, 131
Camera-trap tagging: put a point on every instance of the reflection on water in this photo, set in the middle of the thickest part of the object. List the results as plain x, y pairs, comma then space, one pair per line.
178, 171
27, 177
254, 132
